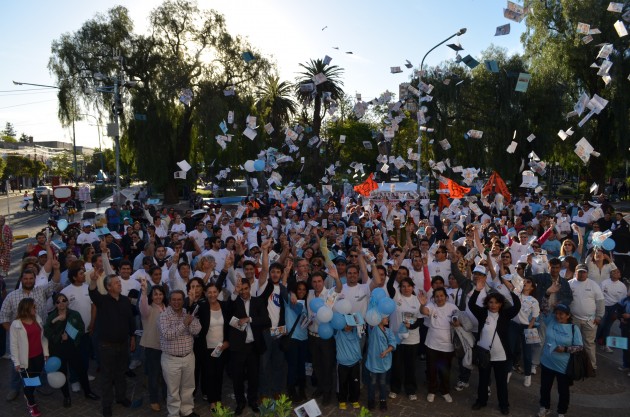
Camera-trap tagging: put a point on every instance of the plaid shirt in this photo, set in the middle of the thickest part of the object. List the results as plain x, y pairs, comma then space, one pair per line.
39, 294
176, 338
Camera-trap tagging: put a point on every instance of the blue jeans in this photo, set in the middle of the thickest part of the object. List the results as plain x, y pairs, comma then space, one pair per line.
603, 330
381, 380
516, 336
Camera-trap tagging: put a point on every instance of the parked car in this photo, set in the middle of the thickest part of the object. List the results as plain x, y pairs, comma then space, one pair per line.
43, 189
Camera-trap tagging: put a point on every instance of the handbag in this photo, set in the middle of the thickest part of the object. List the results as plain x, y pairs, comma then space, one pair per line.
532, 337
284, 342
481, 355
579, 365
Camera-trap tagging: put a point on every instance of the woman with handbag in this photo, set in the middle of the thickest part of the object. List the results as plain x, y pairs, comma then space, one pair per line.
524, 321
296, 346
561, 339
492, 343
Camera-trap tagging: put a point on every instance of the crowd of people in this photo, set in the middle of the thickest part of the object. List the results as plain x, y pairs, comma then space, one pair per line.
281, 297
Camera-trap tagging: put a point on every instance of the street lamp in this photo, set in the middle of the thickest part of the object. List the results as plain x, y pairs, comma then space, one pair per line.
419, 170
74, 141
117, 108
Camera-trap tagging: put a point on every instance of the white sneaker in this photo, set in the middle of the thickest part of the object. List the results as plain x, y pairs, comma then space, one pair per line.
461, 385
533, 370
447, 398
393, 395
76, 387
413, 397
623, 369
528, 381
134, 364
430, 397
543, 412
607, 349
509, 377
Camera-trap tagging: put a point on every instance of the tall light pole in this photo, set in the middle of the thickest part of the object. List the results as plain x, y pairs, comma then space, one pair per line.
117, 108
74, 139
419, 167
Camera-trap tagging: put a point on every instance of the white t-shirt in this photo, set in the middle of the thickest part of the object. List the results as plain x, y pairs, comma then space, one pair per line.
79, 300
128, 285
219, 257
410, 308
614, 291
529, 309
199, 237
179, 228
273, 303
359, 297
214, 337
489, 340
87, 238
441, 268
439, 335
585, 294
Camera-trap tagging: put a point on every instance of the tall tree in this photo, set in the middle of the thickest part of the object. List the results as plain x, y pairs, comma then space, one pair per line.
317, 99
275, 104
9, 130
558, 51
185, 50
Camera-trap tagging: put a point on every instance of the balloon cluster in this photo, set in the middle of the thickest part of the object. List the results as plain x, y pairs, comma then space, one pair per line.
56, 379
257, 165
380, 305
603, 240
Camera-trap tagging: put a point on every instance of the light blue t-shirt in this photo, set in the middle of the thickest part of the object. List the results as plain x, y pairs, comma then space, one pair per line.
559, 335
378, 342
291, 314
348, 347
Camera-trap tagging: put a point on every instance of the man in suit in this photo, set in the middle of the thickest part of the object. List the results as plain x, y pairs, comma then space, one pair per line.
247, 344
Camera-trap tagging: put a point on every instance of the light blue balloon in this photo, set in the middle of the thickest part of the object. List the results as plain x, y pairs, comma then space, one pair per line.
316, 304
325, 331
608, 244
338, 321
53, 364
62, 224
378, 294
386, 306
259, 165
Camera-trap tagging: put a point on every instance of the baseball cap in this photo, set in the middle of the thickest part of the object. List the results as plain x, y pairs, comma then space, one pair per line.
480, 269
581, 267
87, 224
562, 307
42, 253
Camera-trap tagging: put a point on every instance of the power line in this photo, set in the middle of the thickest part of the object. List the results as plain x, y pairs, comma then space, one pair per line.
27, 104
25, 94
25, 89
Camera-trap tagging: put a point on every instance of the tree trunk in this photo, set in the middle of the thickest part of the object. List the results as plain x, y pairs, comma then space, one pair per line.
180, 150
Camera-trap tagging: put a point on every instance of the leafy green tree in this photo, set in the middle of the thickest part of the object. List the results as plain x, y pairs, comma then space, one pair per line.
17, 166
186, 49
557, 52
24, 138
62, 165
275, 104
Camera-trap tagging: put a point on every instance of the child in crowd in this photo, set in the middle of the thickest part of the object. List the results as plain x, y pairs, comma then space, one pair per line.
348, 366
381, 344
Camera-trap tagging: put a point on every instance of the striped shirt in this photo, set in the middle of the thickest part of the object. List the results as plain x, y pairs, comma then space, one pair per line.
39, 294
176, 339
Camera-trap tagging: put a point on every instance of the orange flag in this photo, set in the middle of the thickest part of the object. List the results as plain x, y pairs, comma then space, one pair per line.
496, 184
367, 186
453, 189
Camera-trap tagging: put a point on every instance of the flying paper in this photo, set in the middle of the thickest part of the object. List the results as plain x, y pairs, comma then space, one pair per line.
180, 175
620, 27
502, 30
319, 78
250, 133
184, 166
395, 70
531, 137
523, 82
512, 147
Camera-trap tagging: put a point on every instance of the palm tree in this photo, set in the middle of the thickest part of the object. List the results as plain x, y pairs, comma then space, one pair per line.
313, 168
274, 101
332, 85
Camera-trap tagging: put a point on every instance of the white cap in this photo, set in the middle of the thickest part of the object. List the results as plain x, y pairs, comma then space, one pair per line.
87, 224
42, 253
480, 269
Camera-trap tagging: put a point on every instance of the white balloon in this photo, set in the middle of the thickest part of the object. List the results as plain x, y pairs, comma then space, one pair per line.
342, 306
324, 314
373, 317
249, 166
56, 379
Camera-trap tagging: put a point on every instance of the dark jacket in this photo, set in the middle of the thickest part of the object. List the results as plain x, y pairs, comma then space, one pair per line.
464, 285
54, 331
284, 294
260, 321
505, 316
543, 282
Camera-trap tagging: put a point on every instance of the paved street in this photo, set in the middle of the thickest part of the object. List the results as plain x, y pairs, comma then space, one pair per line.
608, 394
